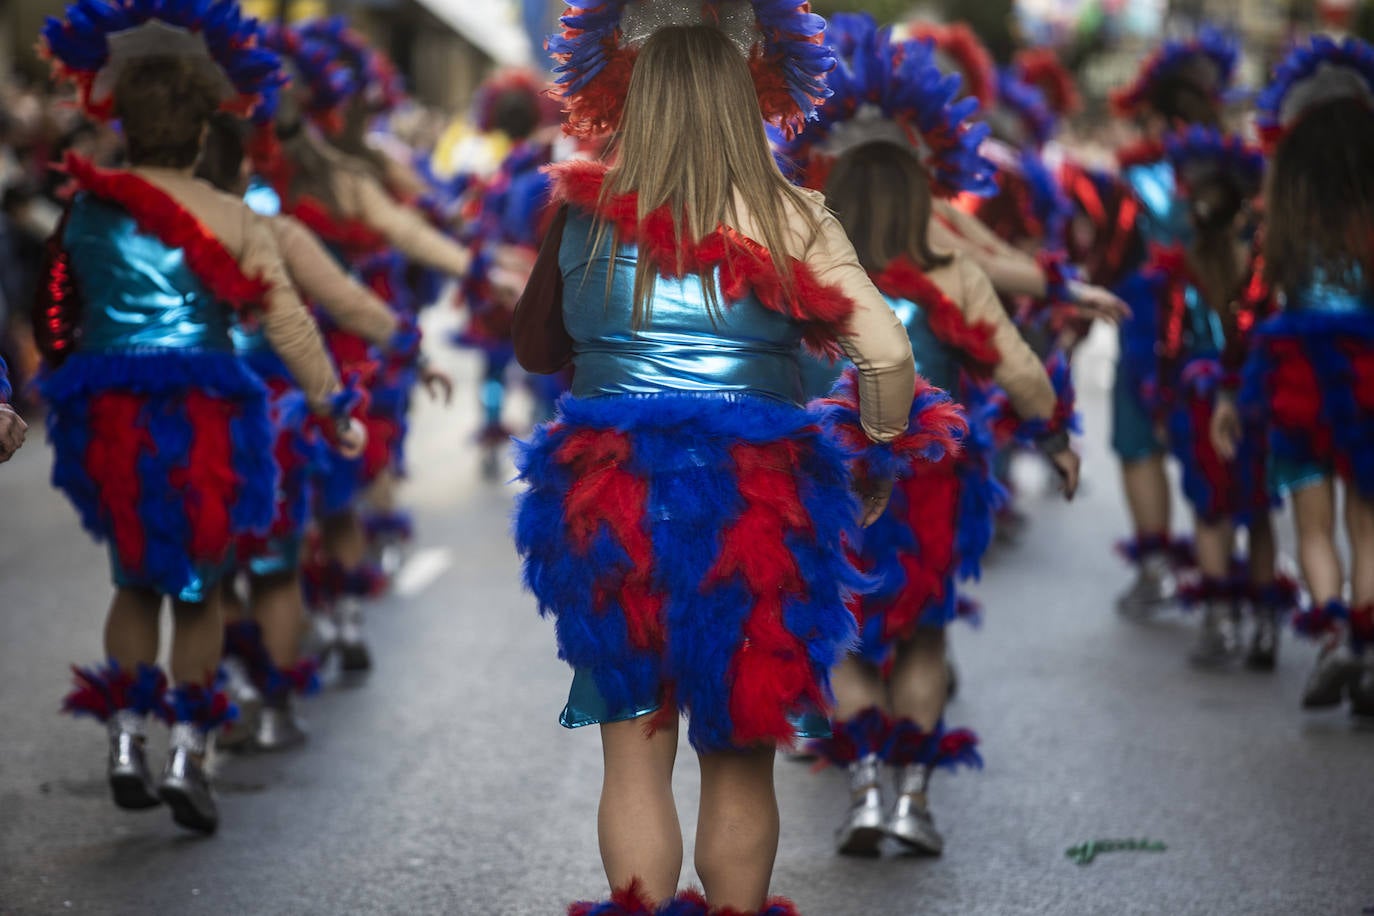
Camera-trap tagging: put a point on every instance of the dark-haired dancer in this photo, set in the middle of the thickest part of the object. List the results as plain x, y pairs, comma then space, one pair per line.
882, 167
685, 513
160, 435
1311, 370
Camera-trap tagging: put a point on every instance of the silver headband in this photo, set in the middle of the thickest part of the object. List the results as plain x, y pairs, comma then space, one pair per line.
156, 38
642, 18
1329, 83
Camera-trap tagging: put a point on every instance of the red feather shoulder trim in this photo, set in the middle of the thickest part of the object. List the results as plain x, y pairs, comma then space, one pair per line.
1146, 152
161, 215
745, 266
902, 279
353, 235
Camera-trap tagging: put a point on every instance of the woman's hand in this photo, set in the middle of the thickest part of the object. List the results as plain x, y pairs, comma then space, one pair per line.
875, 493
351, 439
1096, 302
1225, 428
1067, 463
438, 384
12, 432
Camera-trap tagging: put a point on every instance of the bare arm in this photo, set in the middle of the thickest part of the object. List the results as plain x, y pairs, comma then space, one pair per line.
405, 228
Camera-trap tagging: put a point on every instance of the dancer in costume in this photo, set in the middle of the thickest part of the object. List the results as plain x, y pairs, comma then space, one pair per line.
1182, 84
160, 434
508, 211
1195, 287
891, 139
339, 201
262, 648
1309, 372
12, 426
685, 514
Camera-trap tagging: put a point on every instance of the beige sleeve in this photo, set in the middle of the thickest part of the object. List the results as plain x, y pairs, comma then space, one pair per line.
319, 277
1020, 372
288, 325
405, 228
877, 343
1012, 271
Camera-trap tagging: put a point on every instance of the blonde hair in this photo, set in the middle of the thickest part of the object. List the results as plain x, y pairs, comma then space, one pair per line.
690, 138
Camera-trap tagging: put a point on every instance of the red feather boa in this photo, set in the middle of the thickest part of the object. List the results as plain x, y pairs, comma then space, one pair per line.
355, 237
745, 265
902, 279
161, 215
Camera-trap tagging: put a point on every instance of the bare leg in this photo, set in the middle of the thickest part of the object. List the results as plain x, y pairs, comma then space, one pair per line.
280, 611
1359, 526
920, 678
637, 820
1264, 551
1216, 543
381, 496
235, 608
1147, 494
344, 539
131, 628
737, 828
858, 686
197, 639
1314, 509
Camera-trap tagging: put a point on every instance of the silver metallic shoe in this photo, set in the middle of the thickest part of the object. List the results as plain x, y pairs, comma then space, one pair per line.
1155, 587
1336, 670
1263, 654
861, 833
246, 696
354, 655
278, 728
131, 783
911, 823
185, 787
1218, 636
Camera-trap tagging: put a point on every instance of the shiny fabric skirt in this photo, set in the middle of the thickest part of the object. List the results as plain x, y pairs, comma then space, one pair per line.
1311, 374
167, 457
690, 550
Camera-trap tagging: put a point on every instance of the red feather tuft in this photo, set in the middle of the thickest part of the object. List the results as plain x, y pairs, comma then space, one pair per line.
1043, 69
629, 900
355, 237
208, 479
963, 46
932, 498
745, 266
1146, 152
160, 214
118, 438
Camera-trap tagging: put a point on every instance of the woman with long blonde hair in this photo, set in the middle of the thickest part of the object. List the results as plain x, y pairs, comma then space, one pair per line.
685, 512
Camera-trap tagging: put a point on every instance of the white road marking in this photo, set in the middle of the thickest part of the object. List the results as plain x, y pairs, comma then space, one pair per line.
421, 570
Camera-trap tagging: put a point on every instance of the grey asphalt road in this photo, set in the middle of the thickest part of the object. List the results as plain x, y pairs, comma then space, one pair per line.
444, 785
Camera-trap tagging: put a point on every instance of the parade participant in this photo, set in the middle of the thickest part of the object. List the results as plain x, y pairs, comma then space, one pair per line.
684, 516
266, 643
1309, 369
160, 434
508, 209
339, 201
1195, 285
1183, 83
12, 426
882, 163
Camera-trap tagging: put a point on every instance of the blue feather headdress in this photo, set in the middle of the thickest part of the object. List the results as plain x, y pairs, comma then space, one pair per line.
596, 50
1322, 70
1027, 106
1218, 51
317, 70
1199, 153
373, 73
894, 91
96, 38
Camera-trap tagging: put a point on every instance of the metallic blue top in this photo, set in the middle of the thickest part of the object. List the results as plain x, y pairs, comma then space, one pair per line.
138, 292
748, 349
1164, 217
1202, 331
935, 362
1323, 294
262, 198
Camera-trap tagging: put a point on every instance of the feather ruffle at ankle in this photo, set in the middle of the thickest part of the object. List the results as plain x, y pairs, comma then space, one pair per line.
898, 742
631, 901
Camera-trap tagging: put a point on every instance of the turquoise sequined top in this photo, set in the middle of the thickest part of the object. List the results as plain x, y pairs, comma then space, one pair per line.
1163, 219
139, 293
682, 348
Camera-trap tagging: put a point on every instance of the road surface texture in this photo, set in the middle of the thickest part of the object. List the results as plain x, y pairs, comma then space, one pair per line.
444, 784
